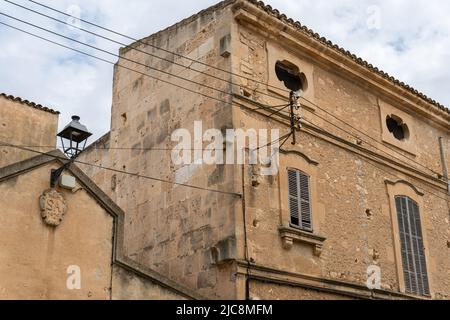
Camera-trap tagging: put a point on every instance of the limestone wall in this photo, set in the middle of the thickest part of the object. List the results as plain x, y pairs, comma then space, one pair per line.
35, 257
171, 228
354, 174
352, 205
25, 126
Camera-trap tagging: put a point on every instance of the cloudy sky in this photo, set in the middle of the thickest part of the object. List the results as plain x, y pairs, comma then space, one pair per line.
410, 39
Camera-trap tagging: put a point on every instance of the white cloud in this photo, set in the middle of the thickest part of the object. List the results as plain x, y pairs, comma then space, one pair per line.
412, 44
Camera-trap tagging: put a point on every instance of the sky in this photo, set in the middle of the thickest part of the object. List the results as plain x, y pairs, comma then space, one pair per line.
409, 39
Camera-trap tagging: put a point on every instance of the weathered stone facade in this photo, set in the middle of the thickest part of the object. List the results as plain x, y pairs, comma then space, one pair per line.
356, 168
59, 243
171, 229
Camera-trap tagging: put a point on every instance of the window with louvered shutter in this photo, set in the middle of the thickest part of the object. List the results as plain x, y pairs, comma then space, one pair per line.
412, 249
299, 200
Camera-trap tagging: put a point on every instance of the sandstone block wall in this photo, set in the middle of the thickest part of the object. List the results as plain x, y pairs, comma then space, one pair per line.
171, 228
354, 175
25, 126
35, 257
352, 209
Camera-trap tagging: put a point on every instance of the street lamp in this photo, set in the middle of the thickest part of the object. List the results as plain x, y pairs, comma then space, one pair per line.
75, 136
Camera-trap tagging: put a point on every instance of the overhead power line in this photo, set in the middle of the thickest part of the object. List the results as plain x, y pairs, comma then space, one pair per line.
116, 55
120, 65
3, 144
434, 173
130, 60
376, 148
370, 137
120, 171
155, 47
193, 91
371, 162
286, 136
189, 67
115, 148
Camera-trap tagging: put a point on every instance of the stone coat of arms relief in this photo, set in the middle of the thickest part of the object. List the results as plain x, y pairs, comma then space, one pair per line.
53, 207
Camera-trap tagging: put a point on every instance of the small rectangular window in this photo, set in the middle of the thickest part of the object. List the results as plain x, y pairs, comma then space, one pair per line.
412, 248
299, 200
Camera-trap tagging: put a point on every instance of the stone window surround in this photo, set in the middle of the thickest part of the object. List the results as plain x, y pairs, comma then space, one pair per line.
409, 144
275, 54
289, 235
404, 188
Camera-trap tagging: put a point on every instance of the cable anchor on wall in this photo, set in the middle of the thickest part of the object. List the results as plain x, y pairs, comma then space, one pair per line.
295, 114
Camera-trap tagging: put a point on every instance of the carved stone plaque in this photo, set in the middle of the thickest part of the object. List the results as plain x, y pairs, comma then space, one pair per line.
53, 207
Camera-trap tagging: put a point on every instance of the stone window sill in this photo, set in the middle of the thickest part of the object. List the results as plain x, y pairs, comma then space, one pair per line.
289, 235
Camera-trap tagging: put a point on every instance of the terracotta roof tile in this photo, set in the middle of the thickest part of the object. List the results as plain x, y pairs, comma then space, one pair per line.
296, 24
28, 103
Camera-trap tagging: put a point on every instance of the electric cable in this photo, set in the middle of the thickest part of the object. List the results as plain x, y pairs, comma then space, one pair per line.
368, 143
153, 46
196, 61
139, 50
120, 171
370, 137
116, 55
353, 135
379, 167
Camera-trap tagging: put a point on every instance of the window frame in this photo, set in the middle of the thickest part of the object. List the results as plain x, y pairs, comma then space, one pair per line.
406, 265
409, 143
405, 188
300, 226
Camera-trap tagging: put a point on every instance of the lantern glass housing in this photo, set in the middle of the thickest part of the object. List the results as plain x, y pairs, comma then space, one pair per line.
74, 137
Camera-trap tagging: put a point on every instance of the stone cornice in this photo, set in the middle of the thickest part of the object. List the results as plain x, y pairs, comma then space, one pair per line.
272, 23
349, 289
277, 26
361, 150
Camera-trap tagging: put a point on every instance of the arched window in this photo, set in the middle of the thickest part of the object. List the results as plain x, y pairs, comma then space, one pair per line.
299, 200
412, 248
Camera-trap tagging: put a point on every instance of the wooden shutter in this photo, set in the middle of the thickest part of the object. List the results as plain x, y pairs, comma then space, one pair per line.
294, 208
299, 200
412, 249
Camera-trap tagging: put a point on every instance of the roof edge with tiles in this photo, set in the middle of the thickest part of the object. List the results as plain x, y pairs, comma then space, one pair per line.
28, 103
297, 25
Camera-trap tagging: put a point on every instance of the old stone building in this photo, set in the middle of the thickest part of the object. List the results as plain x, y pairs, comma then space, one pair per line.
357, 208
62, 242
369, 161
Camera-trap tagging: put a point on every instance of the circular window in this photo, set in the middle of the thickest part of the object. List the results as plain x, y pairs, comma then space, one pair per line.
397, 128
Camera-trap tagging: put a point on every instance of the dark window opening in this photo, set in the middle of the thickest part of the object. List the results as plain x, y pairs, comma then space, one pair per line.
291, 76
396, 126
